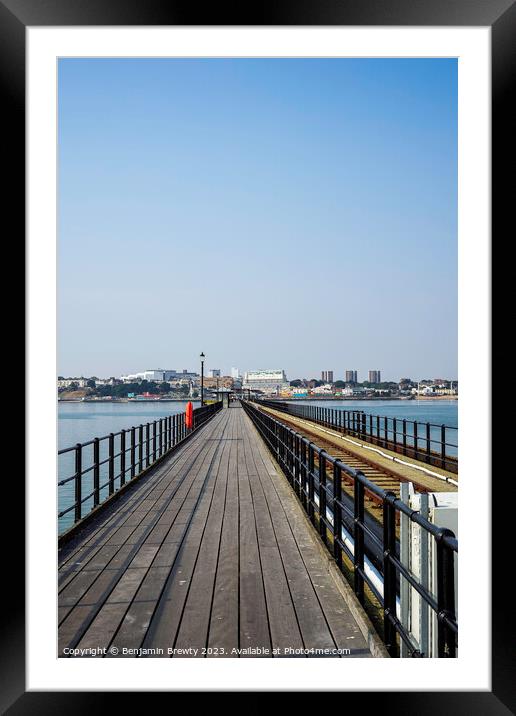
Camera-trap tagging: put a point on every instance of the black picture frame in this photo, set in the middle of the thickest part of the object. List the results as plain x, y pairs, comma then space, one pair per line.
15, 17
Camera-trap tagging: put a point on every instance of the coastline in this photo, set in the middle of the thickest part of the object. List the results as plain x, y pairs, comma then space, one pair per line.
127, 400
297, 400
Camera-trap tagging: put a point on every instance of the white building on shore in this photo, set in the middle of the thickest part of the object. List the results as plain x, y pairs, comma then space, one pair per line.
158, 375
270, 382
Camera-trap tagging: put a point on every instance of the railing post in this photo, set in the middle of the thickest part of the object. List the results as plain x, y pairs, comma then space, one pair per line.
445, 596
389, 572
337, 514
358, 536
78, 482
133, 451
153, 441
386, 431
443, 446
415, 440
364, 426
322, 496
394, 431
311, 511
122, 457
428, 443
147, 444
424, 577
140, 448
405, 541
287, 436
291, 455
303, 474
297, 464
160, 437
111, 463
96, 472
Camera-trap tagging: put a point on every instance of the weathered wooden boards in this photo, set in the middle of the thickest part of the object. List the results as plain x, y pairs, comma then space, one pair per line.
209, 555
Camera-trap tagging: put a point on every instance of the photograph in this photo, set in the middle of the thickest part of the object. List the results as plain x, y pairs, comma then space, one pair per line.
258, 246
282, 231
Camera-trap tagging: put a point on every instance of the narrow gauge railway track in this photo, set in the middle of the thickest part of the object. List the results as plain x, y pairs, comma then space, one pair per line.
373, 538
388, 480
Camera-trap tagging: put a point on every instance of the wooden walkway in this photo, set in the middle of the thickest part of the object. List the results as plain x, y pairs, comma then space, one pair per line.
208, 555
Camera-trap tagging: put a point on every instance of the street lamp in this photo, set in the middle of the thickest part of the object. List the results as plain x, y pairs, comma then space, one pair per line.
202, 357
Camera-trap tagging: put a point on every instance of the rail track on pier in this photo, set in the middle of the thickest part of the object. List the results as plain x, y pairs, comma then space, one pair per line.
386, 472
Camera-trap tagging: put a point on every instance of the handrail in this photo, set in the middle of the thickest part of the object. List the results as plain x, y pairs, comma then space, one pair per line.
427, 442
321, 495
125, 461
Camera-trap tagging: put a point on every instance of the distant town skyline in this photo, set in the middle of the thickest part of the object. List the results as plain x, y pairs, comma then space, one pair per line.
303, 210
362, 376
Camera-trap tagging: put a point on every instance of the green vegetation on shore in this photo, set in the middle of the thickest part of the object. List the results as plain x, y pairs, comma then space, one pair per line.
122, 390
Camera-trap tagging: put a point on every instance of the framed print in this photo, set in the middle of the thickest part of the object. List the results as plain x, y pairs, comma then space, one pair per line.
304, 193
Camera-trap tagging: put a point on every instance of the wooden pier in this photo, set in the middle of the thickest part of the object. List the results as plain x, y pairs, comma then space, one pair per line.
209, 554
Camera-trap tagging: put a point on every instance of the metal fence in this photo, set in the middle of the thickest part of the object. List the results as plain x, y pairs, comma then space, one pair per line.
434, 444
103, 465
319, 490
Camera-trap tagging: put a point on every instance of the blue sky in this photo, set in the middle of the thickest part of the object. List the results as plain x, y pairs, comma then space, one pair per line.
288, 213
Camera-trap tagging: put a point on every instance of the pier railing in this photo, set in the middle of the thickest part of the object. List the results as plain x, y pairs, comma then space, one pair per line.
428, 442
319, 490
103, 465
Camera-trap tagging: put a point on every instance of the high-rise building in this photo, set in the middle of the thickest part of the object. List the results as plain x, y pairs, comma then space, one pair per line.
351, 376
235, 373
374, 376
327, 376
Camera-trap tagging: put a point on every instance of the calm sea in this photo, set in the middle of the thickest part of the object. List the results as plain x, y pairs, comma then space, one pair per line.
81, 422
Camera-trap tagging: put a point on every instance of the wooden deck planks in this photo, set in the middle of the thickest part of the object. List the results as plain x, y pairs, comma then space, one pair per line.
129, 551
210, 555
224, 620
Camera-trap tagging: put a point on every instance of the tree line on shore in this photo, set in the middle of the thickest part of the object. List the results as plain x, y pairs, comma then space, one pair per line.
121, 390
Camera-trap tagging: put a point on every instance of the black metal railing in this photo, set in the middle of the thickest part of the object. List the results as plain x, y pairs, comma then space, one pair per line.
117, 458
431, 443
319, 490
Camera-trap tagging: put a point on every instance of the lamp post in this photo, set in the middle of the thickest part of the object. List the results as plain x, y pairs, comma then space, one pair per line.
202, 357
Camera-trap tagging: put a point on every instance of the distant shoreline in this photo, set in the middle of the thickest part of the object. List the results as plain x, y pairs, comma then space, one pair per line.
296, 400
376, 398
125, 400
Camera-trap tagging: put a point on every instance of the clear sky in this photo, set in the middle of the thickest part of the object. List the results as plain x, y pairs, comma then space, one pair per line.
273, 213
